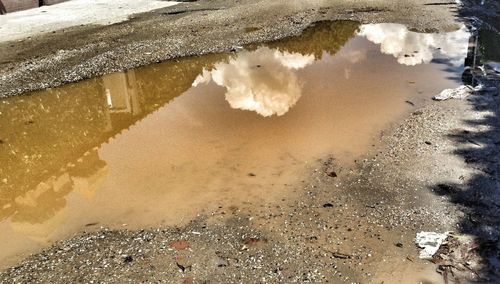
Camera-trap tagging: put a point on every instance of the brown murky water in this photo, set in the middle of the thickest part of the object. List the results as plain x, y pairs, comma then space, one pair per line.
161, 144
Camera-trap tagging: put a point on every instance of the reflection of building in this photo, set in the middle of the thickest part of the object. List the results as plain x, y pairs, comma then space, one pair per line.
121, 94
39, 212
63, 126
60, 125
46, 198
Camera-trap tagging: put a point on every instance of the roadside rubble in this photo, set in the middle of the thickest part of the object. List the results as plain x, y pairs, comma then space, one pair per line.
457, 256
478, 76
462, 257
457, 93
474, 253
462, 92
429, 242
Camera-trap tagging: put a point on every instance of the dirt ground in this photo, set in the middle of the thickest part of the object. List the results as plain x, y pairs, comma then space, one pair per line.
190, 28
438, 170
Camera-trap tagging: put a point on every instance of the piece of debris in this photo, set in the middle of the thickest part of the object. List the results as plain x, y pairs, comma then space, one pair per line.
327, 205
464, 257
128, 259
183, 268
312, 238
341, 255
332, 174
485, 89
251, 174
457, 93
252, 242
463, 91
430, 243
473, 142
399, 244
179, 245
222, 262
236, 48
180, 261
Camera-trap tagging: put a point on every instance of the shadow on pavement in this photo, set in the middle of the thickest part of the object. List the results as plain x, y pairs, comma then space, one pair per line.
474, 253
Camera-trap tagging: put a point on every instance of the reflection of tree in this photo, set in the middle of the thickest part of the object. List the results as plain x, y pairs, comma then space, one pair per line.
87, 165
322, 37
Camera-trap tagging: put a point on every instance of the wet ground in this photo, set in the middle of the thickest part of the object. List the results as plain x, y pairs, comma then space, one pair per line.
262, 162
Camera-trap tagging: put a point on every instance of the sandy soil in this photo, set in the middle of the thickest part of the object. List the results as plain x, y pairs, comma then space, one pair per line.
438, 170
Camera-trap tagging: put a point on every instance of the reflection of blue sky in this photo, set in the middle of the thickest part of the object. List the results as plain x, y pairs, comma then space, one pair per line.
264, 80
412, 48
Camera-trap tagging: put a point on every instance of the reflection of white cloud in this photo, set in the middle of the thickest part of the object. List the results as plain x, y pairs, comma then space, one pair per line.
263, 80
355, 56
411, 48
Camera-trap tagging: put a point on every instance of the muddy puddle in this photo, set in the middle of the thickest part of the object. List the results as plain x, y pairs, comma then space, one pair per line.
162, 144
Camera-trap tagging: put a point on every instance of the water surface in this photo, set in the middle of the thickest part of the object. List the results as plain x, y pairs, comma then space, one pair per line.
162, 144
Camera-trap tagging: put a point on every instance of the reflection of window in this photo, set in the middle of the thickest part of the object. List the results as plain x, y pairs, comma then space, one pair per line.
121, 93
